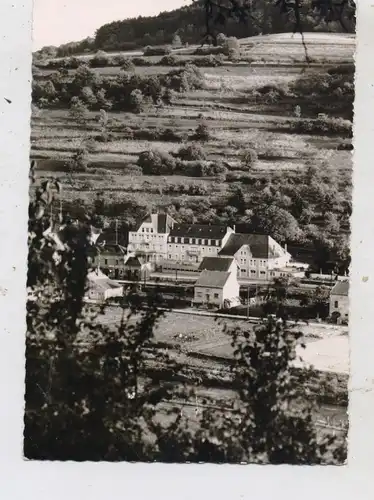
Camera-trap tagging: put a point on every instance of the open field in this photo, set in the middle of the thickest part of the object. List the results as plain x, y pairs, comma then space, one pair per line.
326, 346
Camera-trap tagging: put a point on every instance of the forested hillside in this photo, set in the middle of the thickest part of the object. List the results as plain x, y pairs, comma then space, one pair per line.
188, 25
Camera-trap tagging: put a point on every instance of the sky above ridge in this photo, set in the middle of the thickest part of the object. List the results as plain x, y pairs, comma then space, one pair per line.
60, 21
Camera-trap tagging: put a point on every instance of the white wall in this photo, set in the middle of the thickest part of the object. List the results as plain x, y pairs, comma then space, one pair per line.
148, 241
339, 303
251, 268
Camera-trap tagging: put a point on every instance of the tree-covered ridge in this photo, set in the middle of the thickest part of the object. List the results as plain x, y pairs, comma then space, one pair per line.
192, 23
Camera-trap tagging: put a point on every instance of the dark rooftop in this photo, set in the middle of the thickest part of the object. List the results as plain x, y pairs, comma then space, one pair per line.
216, 263
341, 288
162, 223
258, 243
212, 279
199, 231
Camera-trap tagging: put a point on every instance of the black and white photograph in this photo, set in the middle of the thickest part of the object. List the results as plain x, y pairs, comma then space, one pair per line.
190, 195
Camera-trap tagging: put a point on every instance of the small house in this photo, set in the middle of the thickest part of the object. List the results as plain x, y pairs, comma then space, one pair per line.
339, 302
216, 289
101, 288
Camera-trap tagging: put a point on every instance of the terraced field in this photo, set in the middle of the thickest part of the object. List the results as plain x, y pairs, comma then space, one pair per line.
233, 123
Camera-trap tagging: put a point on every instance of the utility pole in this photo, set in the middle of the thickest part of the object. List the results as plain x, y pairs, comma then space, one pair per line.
248, 302
116, 229
60, 214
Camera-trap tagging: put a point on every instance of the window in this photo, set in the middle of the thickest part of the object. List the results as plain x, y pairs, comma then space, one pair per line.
147, 230
336, 304
200, 242
193, 241
169, 246
262, 272
210, 249
117, 262
206, 242
216, 295
243, 270
143, 230
186, 240
199, 294
106, 261
253, 271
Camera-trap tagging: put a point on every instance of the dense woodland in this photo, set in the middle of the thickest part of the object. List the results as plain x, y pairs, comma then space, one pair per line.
189, 25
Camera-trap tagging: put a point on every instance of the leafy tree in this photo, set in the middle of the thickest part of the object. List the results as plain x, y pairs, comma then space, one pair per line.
277, 222
202, 132
88, 96
221, 39
191, 152
78, 110
177, 42
237, 201
137, 100
249, 158
320, 299
79, 161
89, 392
100, 60
272, 422
127, 64
156, 163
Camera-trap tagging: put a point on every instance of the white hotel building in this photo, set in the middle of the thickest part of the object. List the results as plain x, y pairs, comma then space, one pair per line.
190, 243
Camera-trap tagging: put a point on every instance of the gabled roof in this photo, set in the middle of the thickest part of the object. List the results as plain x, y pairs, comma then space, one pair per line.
133, 262
162, 223
109, 237
199, 231
111, 248
258, 244
341, 288
98, 279
216, 263
212, 279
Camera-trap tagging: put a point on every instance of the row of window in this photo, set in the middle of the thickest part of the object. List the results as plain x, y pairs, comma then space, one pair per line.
194, 241
207, 295
253, 271
139, 236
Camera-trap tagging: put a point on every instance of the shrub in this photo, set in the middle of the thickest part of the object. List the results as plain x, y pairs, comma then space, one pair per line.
156, 51
206, 51
127, 65
78, 110
177, 42
323, 125
140, 61
100, 60
128, 133
183, 80
170, 60
249, 158
210, 61
202, 132
170, 135
221, 39
232, 48
156, 163
191, 152
79, 161
119, 60
137, 100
